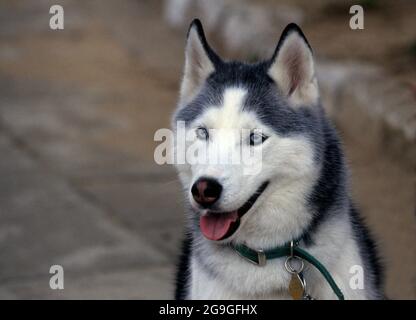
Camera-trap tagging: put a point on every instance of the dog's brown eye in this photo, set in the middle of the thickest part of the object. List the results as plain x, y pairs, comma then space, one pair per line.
257, 138
202, 133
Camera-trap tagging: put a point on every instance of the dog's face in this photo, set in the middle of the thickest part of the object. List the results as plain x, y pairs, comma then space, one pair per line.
259, 128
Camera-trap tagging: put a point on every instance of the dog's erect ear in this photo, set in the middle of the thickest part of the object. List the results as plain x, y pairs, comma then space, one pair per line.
292, 68
200, 61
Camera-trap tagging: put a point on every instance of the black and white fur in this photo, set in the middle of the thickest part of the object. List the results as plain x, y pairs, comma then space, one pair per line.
308, 194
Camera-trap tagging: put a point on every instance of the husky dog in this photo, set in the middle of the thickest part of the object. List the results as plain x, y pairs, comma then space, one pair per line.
301, 191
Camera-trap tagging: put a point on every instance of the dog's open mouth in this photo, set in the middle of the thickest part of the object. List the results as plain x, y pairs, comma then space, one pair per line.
221, 225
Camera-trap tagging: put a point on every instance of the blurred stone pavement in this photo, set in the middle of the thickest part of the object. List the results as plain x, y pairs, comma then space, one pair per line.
78, 183
79, 187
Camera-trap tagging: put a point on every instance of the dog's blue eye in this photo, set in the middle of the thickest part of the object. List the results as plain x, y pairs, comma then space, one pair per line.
202, 133
257, 138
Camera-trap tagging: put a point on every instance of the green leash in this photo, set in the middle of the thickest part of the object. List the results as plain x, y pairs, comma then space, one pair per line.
260, 257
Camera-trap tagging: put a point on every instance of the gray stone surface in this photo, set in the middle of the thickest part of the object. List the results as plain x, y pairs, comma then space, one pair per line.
45, 222
244, 28
139, 283
385, 107
148, 205
78, 186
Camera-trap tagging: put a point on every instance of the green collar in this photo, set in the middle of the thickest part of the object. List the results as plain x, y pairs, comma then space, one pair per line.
259, 257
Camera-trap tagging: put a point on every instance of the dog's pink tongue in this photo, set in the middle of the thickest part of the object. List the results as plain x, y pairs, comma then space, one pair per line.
216, 226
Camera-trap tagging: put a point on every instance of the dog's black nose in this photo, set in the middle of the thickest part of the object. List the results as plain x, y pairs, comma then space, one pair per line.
206, 191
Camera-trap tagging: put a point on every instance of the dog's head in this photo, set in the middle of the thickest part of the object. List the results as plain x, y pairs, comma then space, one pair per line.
269, 111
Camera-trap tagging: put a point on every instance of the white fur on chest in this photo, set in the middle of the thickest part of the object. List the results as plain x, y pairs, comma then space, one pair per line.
204, 286
235, 278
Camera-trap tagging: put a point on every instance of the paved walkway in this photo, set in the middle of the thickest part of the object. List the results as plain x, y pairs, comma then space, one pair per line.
78, 109
79, 188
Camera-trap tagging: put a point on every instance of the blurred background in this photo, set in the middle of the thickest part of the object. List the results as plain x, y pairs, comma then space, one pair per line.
79, 107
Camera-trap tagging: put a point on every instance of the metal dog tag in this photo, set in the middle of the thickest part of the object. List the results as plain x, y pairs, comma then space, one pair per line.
296, 287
